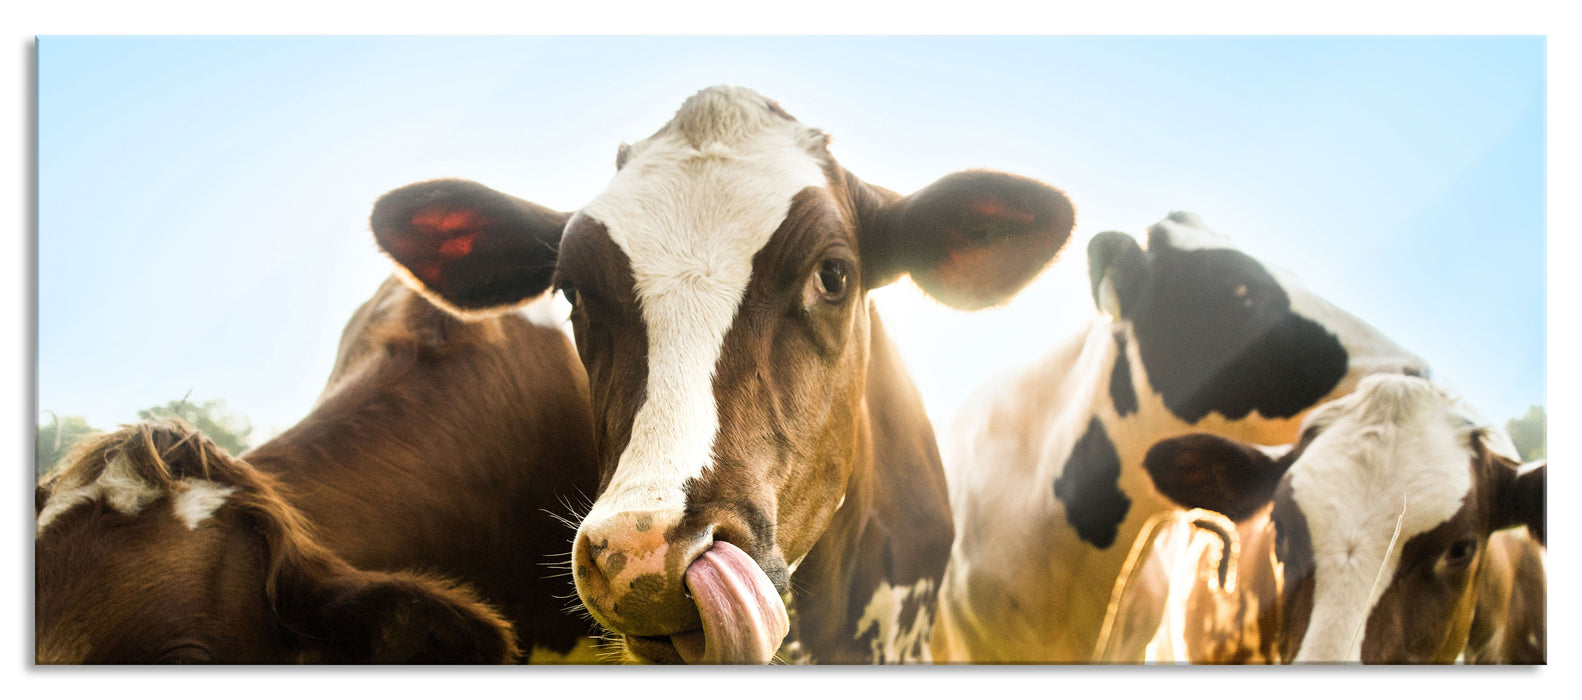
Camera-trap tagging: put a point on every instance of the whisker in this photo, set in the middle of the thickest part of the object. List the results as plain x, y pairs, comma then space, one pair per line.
1364, 620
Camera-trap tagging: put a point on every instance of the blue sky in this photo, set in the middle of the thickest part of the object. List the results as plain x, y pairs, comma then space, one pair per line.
203, 201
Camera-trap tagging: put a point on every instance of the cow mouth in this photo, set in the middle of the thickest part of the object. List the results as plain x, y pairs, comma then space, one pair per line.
742, 615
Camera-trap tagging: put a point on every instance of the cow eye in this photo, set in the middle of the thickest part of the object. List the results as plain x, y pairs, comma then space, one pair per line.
833, 275
1460, 553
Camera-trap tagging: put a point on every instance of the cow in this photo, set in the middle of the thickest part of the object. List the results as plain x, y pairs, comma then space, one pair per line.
411, 516
1402, 529
1045, 462
770, 487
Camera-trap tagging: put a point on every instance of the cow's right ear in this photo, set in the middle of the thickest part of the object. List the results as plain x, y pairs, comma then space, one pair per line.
1207, 471
1117, 270
467, 247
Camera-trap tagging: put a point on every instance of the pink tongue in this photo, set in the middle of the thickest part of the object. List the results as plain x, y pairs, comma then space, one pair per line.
743, 617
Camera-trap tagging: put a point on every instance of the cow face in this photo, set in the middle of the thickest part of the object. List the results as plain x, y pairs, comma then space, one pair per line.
1218, 332
719, 289
1382, 515
154, 546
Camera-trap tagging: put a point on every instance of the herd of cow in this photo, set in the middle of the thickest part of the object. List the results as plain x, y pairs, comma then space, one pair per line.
731, 465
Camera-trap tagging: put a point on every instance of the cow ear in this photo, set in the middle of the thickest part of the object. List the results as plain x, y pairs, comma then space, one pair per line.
336, 613
467, 247
1521, 497
402, 618
1117, 269
362, 617
971, 239
1207, 471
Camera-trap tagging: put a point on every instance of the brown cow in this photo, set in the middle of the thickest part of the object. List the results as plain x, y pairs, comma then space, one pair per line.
1401, 533
439, 445
758, 437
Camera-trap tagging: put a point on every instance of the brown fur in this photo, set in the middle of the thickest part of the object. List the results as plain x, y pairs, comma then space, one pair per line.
814, 406
1489, 606
261, 588
445, 446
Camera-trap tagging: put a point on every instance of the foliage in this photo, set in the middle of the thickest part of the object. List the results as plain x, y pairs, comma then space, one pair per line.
1530, 434
212, 418
53, 441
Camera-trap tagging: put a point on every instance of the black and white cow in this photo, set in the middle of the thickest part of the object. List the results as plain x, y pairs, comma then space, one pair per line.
759, 440
1403, 531
1045, 466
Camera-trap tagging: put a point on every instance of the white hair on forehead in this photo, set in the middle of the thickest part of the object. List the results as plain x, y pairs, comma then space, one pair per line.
690, 208
1392, 462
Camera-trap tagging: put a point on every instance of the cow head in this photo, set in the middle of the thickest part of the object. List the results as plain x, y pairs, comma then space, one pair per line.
1218, 332
1382, 515
154, 546
719, 287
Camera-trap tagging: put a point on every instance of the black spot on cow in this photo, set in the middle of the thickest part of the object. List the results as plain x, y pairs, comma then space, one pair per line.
1216, 333
1089, 486
1122, 394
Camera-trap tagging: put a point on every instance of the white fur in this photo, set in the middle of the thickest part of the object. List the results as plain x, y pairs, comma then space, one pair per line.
1394, 454
690, 219
199, 501
893, 644
117, 486
1014, 590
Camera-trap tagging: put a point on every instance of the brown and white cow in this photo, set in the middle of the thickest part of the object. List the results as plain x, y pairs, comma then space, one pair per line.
759, 440
1402, 532
440, 446
1045, 464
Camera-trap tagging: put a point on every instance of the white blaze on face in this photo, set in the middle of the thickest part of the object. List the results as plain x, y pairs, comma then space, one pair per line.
690, 219
1394, 454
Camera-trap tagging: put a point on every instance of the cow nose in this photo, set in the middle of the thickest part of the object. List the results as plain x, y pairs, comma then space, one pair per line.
629, 569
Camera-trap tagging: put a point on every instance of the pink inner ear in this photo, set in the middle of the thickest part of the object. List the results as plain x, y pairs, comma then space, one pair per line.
458, 246
437, 221
996, 209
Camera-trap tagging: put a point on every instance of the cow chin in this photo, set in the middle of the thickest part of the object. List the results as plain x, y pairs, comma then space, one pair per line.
731, 614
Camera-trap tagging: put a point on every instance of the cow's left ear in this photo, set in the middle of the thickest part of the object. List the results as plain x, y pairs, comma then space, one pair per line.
971, 239
1519, 499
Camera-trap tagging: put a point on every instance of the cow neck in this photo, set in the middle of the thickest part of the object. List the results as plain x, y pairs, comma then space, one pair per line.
889, 539
464, 403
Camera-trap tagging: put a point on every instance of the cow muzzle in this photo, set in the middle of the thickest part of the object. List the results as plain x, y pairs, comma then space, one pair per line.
677, 598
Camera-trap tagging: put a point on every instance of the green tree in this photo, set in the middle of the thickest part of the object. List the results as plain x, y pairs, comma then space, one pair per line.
212, 418
53, 441
1530, 434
